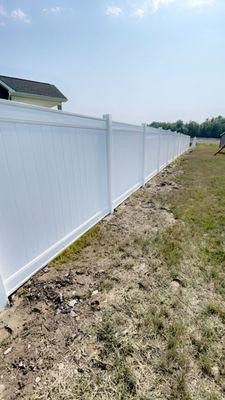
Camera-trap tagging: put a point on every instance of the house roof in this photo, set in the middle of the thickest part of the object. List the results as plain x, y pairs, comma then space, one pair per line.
25, 86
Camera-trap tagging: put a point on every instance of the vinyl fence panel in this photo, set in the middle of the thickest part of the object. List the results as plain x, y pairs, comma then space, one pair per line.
60, 174
126, 160
54, 183
152, 144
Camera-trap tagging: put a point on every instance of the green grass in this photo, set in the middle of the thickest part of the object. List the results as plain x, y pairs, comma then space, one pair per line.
72, 252
194, 248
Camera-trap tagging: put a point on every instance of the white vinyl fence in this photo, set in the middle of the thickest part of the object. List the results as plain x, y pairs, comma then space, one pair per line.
194, 142
60, 174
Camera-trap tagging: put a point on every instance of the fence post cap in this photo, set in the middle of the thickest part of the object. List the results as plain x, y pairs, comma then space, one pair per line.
107, 116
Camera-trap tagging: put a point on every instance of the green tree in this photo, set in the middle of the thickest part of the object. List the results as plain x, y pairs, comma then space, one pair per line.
213, 127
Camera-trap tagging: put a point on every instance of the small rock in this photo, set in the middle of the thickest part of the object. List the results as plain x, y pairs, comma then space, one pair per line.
8, 329
73, 314
61, 366
72, 303
215, 372
2, 388
21, 365
94, 292
175, 285
60, 297
29, 346
38, 379
8, 351
46, 269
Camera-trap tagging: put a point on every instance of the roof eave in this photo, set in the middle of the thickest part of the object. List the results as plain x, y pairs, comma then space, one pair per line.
10, 90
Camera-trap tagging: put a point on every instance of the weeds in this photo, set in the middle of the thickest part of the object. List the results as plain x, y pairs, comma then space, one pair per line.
72, 252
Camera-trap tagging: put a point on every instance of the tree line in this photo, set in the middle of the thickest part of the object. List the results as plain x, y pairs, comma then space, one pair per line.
213, 127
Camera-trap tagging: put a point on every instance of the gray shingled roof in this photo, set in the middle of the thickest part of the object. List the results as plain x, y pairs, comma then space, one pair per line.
32, 87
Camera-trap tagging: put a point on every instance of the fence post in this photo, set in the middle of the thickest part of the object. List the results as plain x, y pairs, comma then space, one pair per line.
108, 119
174, 147
159, 150
144, 128
3, 295
193, 143
179, 144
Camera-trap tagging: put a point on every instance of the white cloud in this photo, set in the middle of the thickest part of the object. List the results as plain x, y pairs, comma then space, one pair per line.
139, 12
142, 8
156, 4
19, 15
3, 12
53, 10
114, 10
16, 15
199, 3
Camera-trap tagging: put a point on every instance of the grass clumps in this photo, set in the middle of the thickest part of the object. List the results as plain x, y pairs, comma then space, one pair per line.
215, 309
73, 251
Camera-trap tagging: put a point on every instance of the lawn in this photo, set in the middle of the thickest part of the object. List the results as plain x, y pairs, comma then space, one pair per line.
136, 309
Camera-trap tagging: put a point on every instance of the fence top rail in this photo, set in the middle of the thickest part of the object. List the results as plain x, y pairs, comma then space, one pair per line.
49, 123
67, 119
152, 130
123, 130
124, 124
45, 109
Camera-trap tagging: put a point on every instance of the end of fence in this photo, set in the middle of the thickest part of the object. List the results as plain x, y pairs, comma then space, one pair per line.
3, 295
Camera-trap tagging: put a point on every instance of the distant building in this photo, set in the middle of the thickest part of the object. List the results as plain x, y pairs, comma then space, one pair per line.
30, 92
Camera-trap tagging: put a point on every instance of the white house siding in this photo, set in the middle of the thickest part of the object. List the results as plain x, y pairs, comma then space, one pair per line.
35, 102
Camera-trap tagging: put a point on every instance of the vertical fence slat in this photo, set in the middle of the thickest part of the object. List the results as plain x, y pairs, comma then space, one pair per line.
108, 119
144, 126
159, 151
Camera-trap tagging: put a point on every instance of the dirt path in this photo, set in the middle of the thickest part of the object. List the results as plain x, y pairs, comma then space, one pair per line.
115, 317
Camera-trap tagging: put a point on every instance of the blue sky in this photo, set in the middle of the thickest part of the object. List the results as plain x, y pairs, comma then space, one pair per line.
138, 60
